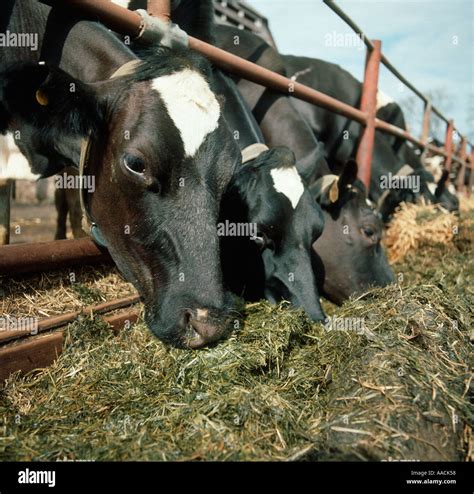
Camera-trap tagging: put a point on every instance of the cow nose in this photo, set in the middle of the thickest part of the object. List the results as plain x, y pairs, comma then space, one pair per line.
200, 331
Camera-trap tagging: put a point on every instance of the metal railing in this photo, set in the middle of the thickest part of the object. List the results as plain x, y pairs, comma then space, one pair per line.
447, 152
129, 23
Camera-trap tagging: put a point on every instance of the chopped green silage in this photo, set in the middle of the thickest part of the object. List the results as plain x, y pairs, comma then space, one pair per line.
394, 384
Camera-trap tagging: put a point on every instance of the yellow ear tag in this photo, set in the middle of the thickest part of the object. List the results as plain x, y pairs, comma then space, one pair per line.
334, 191
41, 98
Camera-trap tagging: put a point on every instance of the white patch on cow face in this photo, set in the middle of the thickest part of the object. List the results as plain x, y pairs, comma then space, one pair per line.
452, 189
288, 182
432, 187
122, 3
13, 164
191, 105
383, 99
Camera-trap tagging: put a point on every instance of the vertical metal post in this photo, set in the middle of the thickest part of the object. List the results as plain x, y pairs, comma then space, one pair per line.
425, 133
5, 194
160, 8
471, 178
462, 170
368, 105
448, 145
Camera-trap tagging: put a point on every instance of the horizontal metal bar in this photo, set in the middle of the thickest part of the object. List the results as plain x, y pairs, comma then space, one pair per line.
128, 22
61, 320
335, 8
42, 256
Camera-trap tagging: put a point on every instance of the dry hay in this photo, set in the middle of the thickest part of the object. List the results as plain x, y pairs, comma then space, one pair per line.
416, 225
52, 293
281, 388
466, 203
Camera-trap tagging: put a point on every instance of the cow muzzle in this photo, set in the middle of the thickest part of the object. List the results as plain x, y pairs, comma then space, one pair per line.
202, 328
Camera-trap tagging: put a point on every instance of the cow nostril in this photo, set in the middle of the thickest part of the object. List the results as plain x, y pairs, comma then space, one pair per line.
200, 332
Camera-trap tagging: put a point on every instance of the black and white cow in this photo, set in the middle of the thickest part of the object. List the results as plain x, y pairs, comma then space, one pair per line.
159, 150
268, 196
438, 182
340, 135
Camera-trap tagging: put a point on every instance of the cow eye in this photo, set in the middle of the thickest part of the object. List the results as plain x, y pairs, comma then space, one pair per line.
368, 231
263, 242
133, 164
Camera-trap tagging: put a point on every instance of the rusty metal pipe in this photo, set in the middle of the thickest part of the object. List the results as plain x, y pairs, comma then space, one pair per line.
462, 170
55, 322
471, 178
5, 196
425, 133
272, 80
130, 23
369, 106
43, 256
111, 15
101, 9
448, 145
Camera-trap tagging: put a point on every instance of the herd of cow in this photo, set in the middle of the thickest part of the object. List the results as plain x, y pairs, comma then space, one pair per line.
178, 148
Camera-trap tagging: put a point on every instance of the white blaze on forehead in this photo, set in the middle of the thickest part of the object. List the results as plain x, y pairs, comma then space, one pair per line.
452, 189
288, 182
13, 164
191, 105
432, 187
383, 99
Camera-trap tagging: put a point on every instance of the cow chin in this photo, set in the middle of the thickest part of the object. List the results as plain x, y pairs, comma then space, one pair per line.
361, 275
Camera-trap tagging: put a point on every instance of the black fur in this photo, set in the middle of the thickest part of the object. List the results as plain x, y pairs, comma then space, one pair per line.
72, 106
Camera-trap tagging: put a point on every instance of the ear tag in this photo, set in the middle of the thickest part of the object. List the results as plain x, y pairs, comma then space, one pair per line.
41, 98
334, 191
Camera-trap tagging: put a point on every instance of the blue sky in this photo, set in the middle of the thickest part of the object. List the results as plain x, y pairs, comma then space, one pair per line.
431, 42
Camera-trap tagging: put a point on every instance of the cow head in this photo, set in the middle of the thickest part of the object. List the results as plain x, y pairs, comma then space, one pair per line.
275, 262
444, 193
350, 258
161, 157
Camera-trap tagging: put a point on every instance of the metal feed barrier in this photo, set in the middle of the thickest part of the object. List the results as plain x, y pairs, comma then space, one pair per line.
34, 257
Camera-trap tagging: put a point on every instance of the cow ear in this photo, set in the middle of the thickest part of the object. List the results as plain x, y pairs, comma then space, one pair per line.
348, 176
441, 185
48, 98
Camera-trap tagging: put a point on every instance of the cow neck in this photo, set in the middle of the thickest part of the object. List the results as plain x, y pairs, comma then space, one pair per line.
88, 224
